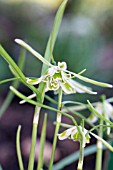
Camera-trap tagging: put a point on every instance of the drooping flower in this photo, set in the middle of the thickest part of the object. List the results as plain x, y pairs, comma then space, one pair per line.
56, 77
75, 135
103, 108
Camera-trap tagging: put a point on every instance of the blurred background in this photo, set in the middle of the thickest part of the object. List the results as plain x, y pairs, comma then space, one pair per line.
85, 40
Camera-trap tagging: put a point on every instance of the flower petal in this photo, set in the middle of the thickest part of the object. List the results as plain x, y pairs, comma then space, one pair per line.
65, 134
81, 88
67, 88
62, 65
34, 81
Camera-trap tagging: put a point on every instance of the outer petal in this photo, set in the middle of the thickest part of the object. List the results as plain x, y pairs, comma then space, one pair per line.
67, 87
66, 133
35, 80
109, 109
93, 118
62, 65
81, 88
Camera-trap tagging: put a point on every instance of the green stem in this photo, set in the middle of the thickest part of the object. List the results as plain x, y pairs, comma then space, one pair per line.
99, 148
16, 92
81, 157
58, 121
42, 142
19, 155
34, 137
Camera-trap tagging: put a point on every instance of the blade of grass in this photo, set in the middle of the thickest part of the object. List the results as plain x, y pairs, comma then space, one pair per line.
10, 95
53, 35
9, 80
42, 142
10, 61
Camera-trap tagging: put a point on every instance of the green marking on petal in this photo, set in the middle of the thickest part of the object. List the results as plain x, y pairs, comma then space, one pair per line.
62, 65
34, 81
57, 75
67, 88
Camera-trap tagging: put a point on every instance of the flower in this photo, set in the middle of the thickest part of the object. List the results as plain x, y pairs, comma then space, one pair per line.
56, 77
82, 135
75, 135
105, 109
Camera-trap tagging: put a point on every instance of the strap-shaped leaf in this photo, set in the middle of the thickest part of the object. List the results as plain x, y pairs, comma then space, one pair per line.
53, 35
90, 80
18, 148
16, 69
31, 50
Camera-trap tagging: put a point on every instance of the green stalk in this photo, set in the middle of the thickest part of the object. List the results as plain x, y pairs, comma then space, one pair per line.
99, 148
34, 137
81, 157
42, 142
58, 121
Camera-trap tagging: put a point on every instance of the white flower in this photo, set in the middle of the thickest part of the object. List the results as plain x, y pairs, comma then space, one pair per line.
82, 135
75, 135
56, 77
105, 109
59, 76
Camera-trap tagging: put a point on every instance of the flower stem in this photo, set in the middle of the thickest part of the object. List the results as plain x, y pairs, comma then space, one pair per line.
34, 136
58, 121
99, 149
81, 157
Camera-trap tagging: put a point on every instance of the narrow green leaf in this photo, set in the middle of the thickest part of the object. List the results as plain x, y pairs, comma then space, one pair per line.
5, 55
53, 35
42, 142
9, 80
103, 141
90, 80
51, 42
31, 50
18, 148
11, 62
10, 95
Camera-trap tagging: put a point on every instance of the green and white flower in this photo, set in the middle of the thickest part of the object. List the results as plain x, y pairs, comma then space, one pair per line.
82, 135
75, 135
56, 77
102, 108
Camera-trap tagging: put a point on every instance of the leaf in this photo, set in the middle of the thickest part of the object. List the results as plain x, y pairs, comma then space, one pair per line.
18, 148
103, 141
51, 43
90, 80
10, 95
53, 35
31, 50
11, 62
